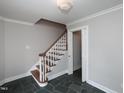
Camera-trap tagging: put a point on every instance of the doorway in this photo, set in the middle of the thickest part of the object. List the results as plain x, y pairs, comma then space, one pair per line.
84, 51
77, 62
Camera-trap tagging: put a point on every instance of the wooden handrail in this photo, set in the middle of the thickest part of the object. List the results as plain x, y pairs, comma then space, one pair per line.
43, 54
42, 20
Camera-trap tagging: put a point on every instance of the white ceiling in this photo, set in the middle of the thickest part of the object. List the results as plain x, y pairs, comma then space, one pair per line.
32, 10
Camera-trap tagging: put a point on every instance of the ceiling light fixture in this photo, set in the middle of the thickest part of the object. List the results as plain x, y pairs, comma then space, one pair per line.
65, 5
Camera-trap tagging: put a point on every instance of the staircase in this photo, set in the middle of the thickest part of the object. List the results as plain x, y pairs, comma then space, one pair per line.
49, 59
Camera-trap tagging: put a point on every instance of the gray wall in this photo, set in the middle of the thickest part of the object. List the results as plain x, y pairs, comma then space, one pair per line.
23, 43
77, 50
105, 49
2, 66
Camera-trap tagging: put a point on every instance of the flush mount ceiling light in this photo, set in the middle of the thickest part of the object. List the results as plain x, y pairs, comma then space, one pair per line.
65, 5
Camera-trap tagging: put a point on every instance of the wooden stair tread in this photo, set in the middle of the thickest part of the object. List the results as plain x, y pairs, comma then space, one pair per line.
36, 75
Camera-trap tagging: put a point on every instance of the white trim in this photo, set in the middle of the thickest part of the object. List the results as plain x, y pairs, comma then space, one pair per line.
84, 41
101, 87
97, 14
16, 21
50, 77
70, 53
85, 29
14, 78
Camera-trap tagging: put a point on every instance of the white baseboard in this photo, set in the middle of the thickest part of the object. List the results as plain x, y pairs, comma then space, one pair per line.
101, 87
57, 75
14, 78
77, 67
28, 74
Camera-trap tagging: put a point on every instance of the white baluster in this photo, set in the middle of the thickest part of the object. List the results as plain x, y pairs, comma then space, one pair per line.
59, 47
48, 61
62, 43
43, 67
53, 56
55, 52
40, 64
65, 41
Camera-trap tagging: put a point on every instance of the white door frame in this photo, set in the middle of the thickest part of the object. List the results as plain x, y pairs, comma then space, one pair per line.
84, 45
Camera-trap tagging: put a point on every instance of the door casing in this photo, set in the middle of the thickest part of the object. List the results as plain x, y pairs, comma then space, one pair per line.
84, 45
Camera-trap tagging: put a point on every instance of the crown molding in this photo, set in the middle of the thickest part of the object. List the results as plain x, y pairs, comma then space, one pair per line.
16, 21
115, 8
72, 23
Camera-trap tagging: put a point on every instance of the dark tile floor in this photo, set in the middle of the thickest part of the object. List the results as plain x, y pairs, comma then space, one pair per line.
62, 84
